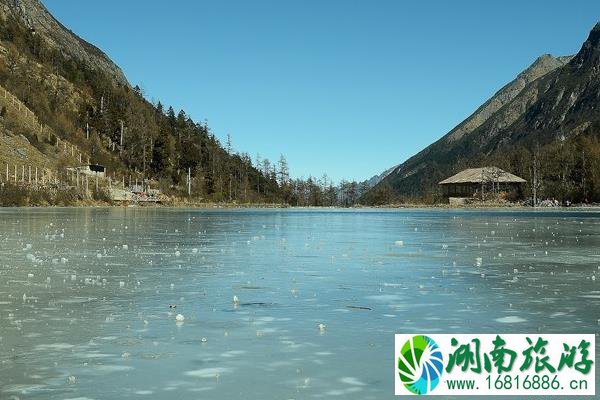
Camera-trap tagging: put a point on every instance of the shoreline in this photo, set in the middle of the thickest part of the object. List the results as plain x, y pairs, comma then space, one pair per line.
238, 206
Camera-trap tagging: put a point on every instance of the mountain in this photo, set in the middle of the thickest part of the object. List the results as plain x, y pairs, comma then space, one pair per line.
64, 102
375, 179
36, 17
555, 99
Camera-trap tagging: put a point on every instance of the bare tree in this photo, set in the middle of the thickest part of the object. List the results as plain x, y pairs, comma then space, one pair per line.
284, 172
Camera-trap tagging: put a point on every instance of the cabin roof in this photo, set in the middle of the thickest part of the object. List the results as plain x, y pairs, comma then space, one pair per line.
482, 175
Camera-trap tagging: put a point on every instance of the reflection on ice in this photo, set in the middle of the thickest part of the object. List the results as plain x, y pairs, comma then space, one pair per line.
208, 372
511, 319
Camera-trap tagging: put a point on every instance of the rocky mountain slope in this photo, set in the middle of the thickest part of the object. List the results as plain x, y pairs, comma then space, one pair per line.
555, 98
37, 18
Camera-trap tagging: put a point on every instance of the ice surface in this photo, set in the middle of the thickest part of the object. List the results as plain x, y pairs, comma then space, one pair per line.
304, 307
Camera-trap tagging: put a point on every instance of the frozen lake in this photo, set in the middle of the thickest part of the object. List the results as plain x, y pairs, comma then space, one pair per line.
86, 296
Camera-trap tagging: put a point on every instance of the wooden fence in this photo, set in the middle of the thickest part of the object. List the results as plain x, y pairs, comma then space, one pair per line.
31, 121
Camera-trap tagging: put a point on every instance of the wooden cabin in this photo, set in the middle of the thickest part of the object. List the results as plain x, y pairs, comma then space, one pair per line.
474, 181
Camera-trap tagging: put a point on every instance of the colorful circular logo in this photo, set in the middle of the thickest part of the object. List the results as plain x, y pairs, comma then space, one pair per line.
420, 364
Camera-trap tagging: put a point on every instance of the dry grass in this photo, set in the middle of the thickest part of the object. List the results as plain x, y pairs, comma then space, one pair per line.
24, 144
20, 196
16, 150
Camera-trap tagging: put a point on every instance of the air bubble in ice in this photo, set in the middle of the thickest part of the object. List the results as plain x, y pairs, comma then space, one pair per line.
322, 328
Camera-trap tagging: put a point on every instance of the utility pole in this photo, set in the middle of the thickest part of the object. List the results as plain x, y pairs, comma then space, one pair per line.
482, 184
189, 182
535, 175
583, 172
144, 162
534, 185
121, 140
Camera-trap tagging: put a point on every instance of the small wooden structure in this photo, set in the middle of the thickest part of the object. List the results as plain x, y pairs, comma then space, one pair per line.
473, 181
90, 170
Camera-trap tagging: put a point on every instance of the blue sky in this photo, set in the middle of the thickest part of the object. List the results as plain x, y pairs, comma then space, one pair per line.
345, 87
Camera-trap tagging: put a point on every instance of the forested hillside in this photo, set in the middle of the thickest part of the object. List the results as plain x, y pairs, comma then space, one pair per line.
79, 97
87, 101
